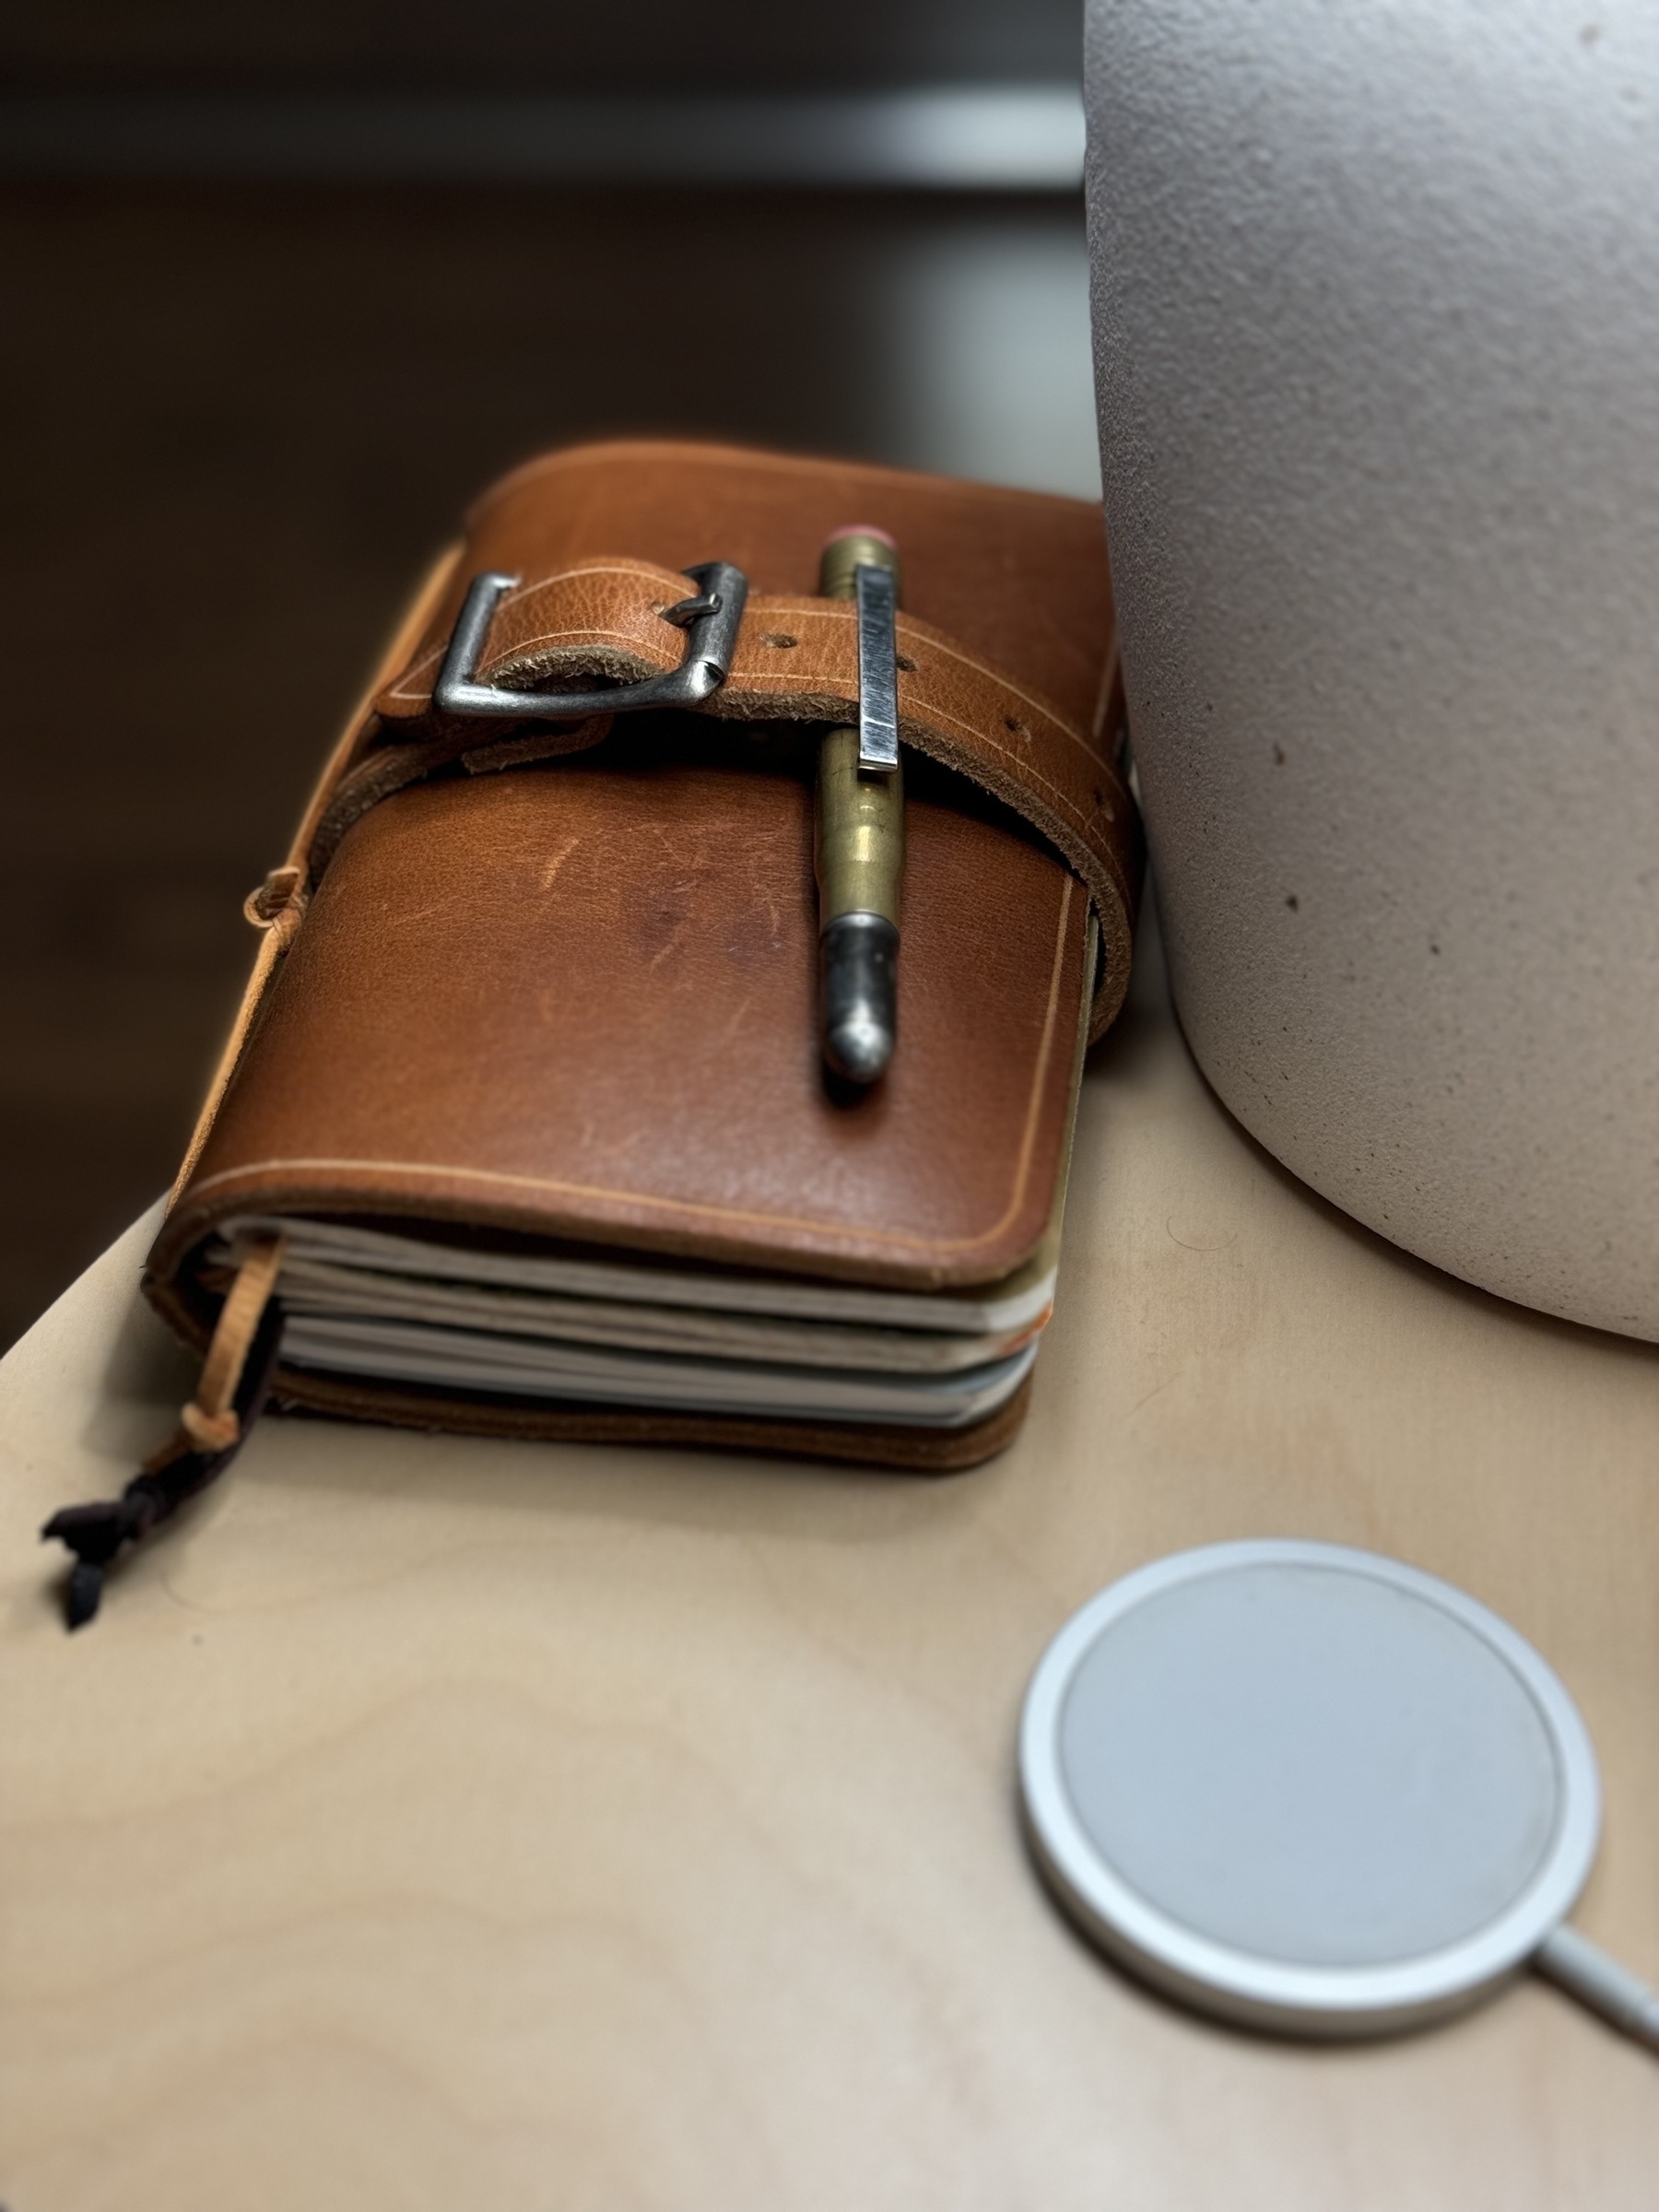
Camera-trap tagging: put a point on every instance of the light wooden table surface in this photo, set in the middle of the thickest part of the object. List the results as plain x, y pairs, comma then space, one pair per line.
437, 1824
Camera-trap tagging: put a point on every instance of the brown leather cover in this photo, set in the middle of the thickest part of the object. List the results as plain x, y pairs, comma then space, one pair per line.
576, 1001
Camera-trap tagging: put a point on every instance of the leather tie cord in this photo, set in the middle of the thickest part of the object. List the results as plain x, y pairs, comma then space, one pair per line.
236, 1377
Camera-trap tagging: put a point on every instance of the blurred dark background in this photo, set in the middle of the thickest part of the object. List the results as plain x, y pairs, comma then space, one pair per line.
283, 287
765, 45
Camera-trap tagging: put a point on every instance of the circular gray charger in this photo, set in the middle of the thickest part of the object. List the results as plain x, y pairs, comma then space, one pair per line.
1314, 1790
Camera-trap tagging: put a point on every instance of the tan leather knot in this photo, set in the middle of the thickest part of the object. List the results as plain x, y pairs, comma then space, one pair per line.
211, 1431
278, 904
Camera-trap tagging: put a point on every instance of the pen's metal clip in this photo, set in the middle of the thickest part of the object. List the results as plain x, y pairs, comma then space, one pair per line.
878, 592
709, 619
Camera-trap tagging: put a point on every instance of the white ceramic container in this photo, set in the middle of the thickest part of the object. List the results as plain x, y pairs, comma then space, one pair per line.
1377, 348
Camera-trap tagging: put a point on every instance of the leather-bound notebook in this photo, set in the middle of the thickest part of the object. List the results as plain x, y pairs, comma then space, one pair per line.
525, 1127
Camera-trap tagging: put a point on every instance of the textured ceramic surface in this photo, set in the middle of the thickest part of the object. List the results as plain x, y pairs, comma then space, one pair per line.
1377, 346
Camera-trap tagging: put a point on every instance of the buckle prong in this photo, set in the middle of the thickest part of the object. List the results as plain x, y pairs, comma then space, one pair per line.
684, 612
709, 619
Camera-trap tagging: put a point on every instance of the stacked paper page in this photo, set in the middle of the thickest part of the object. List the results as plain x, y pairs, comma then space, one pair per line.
618, 1331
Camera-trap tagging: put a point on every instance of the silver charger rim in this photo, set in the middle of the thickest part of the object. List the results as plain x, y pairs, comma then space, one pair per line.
1265, 1992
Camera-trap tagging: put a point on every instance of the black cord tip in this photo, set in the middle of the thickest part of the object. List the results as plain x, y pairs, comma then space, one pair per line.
81, 1597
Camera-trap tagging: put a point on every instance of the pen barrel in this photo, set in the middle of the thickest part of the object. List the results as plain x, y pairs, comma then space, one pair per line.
860, 860
859, 833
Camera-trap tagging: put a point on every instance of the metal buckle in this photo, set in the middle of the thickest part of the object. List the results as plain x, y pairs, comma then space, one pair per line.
710, 620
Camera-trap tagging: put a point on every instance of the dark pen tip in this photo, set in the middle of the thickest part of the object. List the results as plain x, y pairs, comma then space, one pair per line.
858, 1049
859, 954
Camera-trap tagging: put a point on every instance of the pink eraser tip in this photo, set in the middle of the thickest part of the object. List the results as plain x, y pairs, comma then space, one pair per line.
861, 530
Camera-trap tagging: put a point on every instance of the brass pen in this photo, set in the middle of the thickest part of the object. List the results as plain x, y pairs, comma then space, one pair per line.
861, 822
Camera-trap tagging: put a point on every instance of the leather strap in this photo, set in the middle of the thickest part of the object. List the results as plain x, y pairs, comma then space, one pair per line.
391, 768
798, 660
